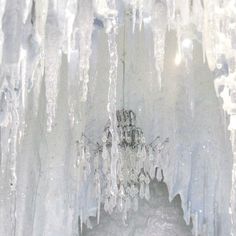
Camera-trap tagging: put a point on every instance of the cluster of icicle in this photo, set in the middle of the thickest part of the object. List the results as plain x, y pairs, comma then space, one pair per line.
35, 34
219, 41
136, 165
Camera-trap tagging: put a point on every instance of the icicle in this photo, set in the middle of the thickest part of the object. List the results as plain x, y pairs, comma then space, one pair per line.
52, 63
71, 10
111, 106
40, 9
71, 48
85, 19
41, 13
159, 25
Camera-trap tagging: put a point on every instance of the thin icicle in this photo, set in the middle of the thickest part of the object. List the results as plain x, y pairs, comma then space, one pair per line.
71, 11
159, 27
85, 17
111, 106
52, 63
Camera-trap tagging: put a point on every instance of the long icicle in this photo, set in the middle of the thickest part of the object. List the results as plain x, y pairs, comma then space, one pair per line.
85, 35
111, 106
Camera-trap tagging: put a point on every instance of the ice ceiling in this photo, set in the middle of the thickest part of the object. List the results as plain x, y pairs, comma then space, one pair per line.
68, 66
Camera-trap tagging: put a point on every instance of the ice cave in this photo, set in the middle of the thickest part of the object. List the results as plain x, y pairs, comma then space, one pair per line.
117, 117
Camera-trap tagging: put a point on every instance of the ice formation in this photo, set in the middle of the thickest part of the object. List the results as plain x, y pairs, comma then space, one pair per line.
52, 54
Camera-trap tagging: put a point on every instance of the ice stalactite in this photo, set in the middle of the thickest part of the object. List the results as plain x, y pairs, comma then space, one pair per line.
85, 27
29, 59
112, 27
79, 29
53, 48
71, 12
159, 27
72, 50
39, 18
79, 69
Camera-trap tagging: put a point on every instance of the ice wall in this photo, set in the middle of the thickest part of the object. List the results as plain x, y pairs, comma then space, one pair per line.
60, 66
